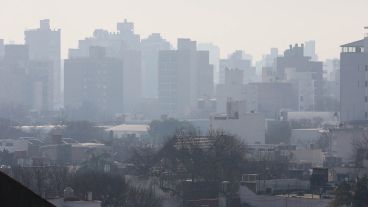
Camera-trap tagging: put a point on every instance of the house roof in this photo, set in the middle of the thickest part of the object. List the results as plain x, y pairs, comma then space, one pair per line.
359, 43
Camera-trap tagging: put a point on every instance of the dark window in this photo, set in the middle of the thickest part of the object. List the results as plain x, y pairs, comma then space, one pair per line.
366, 68
366, 99
366, 115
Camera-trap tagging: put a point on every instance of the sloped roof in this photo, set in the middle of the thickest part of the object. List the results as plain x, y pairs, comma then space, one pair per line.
359, 43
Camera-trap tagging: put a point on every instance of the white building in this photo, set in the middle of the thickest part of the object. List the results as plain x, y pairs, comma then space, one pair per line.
354, 81
137, 130
249, 127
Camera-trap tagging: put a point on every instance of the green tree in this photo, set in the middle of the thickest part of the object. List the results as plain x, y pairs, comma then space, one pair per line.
343, 195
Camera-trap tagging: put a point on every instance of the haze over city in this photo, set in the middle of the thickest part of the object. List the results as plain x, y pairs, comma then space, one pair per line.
184, 103
250, 25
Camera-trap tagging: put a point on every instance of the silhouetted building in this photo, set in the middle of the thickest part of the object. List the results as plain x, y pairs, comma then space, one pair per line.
185, 76
95, 85
233, 89
150, 50
270, 98
125, 46
306, 72
24, 83
44, 45
214, 52
237, 60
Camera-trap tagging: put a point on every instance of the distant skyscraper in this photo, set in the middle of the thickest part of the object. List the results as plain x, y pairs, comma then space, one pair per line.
150, 50
354, 81
232, 89
237, 60
44, 45
24, 83
214, 58
185, 76
310, 50
295, 60
123, 45
94, 85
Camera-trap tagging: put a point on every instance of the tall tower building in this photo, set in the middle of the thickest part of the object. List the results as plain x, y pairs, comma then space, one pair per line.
44, 45
354, 81
185, 76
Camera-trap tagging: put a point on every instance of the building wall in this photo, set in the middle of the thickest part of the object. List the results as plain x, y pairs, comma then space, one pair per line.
269, 98
95, 82
249, 127
45, 45
185, 76
353, 88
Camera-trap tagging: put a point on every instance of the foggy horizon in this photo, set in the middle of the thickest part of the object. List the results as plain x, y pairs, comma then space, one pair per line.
252, 26
183, 103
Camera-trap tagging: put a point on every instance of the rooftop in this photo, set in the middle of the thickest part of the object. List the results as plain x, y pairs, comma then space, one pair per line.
129, 128
359, 43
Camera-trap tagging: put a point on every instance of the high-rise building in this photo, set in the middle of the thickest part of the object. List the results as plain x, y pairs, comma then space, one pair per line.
94, 86
24, 84
232, 89
44, 45
185, 76
269, 98
295, 60
214, 58
354, 81
150, 50
310, 50
124, 45
238, 60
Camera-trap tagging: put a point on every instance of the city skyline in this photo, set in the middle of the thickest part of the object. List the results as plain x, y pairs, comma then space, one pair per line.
253, 26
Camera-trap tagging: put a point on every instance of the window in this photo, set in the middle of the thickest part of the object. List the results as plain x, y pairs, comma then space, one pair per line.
366, 115
366, 99
366, 68
366, 83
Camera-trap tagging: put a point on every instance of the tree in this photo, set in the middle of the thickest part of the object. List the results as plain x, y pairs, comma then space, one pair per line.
353, 194
162, 130
343, 195
216, 157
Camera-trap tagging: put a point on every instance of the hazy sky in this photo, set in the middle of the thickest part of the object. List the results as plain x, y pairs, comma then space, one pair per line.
251, 25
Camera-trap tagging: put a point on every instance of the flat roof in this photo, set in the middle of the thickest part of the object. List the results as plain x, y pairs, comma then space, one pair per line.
129, 128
